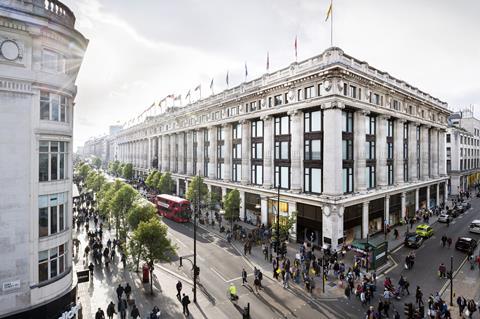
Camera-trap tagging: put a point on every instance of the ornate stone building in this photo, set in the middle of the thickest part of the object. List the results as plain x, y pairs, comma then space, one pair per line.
40, 56
351, 147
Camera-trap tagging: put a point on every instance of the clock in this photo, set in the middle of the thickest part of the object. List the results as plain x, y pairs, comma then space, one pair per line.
10, 50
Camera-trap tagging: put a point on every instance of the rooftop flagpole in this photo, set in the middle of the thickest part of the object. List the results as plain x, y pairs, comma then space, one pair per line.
331, 23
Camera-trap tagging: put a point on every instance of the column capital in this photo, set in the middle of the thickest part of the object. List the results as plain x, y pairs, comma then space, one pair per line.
333, 105
294, 112
266, 117
401, 120
384, 116
226, 124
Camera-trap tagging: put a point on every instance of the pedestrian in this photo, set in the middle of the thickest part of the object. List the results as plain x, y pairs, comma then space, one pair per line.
419, 296
122, 308
395, 233
91, 267
406, 285
111, 310
380, 308
100, 314
462, 303
347, 292
386, 308
120, 291
442, 271
244, 277
444, 240
363, 298
449, 241
286, 279
185, 302
128, 290
123, 260
135, 313
179, 289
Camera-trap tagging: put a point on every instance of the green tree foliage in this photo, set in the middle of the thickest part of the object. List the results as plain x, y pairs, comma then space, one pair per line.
97, 162
84, 170
152, 243
105, 196
195, 188
213, 200
120, 204
127, 171
98, 182
166, 184
141, 211
231, 204
114, 168
153, 179
286, 225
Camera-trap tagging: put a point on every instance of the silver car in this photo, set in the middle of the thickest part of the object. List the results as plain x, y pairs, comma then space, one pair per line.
444, 218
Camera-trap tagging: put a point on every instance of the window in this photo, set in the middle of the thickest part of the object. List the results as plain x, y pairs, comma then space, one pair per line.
319, 89
257, 151
370, 176
375, 99
370, 122
53, 62
236, 172
390, 150
237, 131
299, 94
308, 92
313, 180
257, 174
53, 107
220, 133
220, 170
347, 179
253, 106
347, 150
52, 160
313, 150
370, 150
221, 151
237, 151
277, 100
282, 176
353, 91
345, 89
313, 121
257, 128
347, 121
282, 125
390, 174
282, 151
395, 105
389, 128
52, 263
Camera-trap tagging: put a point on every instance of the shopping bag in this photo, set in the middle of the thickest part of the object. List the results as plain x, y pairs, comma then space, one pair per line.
406, 266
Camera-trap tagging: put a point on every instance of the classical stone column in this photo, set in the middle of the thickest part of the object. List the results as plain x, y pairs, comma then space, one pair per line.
264, 210
424, 151
181, 154
149, 153
365, 231
434, 152
412, 151
227, 174
246, 151
437, 199
428, 196
417, 199
165, 153
387, 209
190, 171
296, 150
242, 205
173, 152
442, 163
160, 153
381, 150
332, 155
403, 205
398, 151
200, 151
332, 225
267, 151
212, 152
359, 150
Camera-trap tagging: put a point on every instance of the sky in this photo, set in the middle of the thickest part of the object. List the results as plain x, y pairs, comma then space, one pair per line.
142, 50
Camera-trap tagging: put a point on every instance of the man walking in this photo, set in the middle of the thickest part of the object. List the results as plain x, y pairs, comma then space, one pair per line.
419, 296
120, 291
185, 302
100, 314
244, 277
179, 289
111, 310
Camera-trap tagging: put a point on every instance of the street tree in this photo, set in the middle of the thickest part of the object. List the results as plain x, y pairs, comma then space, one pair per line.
120, 204
231, 205
152, 242
166, 184
286, 225
97, 162
197, 189
113, 168
213, 200
84, 170
128, 171
152, 179
98, 182
142, 211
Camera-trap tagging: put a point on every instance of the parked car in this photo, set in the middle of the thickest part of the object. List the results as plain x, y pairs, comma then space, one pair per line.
413, 240
424, 230
467, 206
459, 208
466, 244
475, 226
453, 212
444, 218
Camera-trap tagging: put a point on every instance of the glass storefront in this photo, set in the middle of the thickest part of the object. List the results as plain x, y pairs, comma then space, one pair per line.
410, 204
272, 211
253, 209
395, 209
422, 198
352, 223
309, 224
376, 216
433, 196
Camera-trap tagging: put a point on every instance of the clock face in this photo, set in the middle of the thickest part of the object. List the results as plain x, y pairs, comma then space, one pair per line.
9, 50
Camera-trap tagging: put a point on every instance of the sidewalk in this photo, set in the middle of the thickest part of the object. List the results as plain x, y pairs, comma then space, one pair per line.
101, 288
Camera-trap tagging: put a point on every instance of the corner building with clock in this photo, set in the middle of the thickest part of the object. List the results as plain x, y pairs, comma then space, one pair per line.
351, 147
40, 57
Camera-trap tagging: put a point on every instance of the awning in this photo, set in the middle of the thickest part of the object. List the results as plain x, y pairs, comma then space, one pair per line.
75, 192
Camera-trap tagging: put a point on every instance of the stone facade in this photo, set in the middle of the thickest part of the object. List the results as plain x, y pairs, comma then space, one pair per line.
350, 146
40, 56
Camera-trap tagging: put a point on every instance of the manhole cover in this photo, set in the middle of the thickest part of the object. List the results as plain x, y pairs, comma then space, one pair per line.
331, 284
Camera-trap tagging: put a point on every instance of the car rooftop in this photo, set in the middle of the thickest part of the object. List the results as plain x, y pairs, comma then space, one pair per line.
465, 238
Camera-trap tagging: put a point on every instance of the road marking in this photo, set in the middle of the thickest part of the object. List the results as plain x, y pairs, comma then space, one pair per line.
397, 249
175, 237
447, 283
218, 274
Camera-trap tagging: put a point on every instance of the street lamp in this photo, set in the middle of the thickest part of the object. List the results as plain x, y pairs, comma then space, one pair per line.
195, 215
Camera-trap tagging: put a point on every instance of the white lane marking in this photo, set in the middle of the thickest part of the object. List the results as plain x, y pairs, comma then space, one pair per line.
397, 249
178, 240
218, 274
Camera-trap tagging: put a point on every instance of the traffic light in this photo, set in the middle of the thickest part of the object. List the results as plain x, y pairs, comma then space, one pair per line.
181, 261
196, 271
408, 310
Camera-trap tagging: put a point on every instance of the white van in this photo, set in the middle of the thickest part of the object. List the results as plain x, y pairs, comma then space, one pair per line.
475, 226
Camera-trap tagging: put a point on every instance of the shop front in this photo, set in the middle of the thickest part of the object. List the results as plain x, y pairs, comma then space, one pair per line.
352, 223
252, 208
272, 212
422, 198
181, 188
442, 193
395, 209
410, 204
376, 216
433, 196
309, 224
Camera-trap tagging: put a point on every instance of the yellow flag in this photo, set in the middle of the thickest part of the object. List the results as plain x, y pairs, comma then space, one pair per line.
329, 12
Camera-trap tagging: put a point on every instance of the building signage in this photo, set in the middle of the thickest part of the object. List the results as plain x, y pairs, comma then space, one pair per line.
11, 285
72, 313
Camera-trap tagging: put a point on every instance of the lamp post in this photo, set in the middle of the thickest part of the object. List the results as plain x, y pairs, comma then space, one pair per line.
195, 240
451, 280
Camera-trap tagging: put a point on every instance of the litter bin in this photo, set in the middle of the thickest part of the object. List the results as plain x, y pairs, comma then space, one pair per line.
146, 273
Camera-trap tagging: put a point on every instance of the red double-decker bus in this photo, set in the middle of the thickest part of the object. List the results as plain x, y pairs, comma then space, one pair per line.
174, 208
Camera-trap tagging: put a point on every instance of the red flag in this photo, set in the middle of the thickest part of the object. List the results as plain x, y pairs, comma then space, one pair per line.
296, 48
